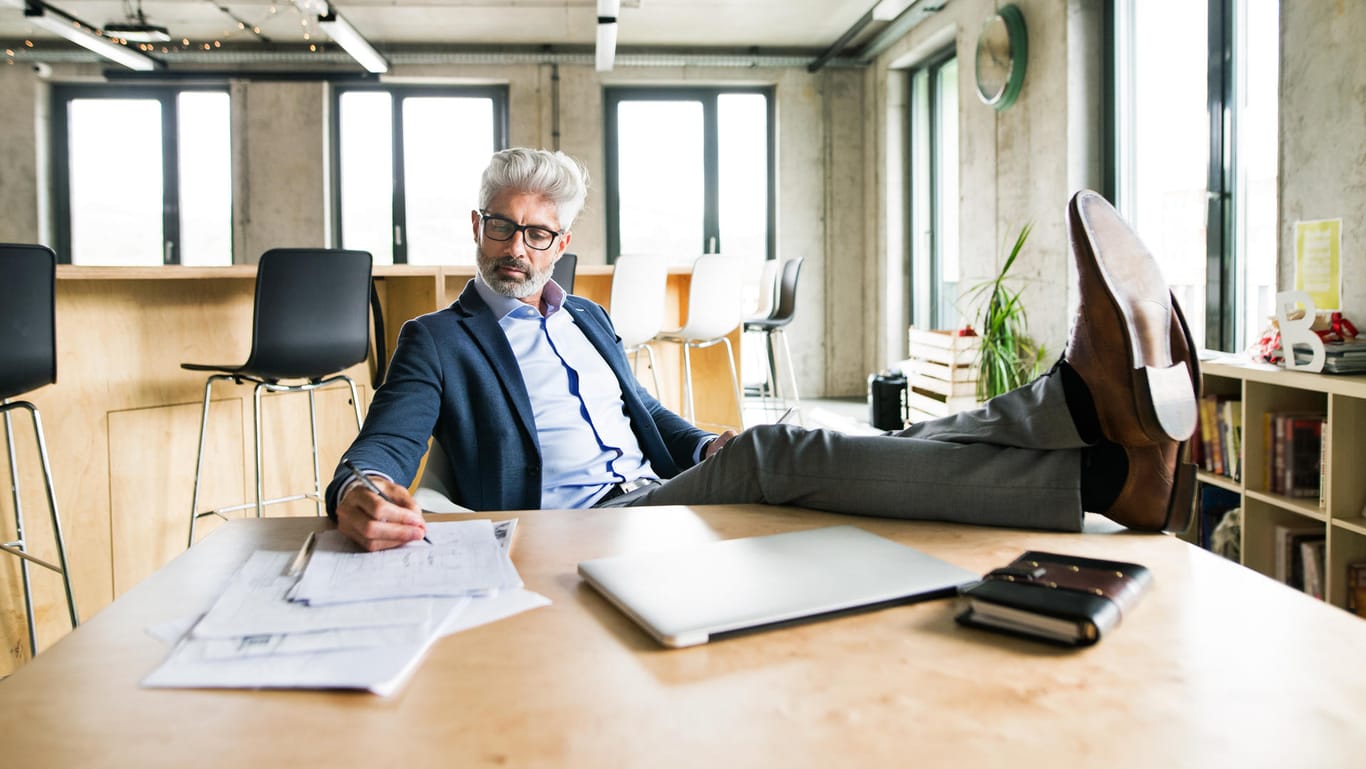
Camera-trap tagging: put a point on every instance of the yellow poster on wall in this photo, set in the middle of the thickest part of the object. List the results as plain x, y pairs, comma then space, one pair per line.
1318, 261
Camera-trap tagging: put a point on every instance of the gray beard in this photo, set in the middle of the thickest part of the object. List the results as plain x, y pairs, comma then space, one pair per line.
513, 289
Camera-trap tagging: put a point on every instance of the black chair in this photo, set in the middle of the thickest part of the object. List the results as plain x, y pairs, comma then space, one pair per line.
774, 325
28, 360
311, 321
563, 272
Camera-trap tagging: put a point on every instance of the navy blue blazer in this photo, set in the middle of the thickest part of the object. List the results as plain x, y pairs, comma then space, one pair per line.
454, 376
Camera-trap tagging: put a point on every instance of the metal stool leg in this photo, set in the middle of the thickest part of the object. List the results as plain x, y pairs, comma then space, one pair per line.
317, 472
199, 457
256, 433
735, 381
791, 373
689, 413
654, 371
19, 546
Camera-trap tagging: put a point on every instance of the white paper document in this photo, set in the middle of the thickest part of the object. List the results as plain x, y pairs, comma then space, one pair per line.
378, 615
464, 558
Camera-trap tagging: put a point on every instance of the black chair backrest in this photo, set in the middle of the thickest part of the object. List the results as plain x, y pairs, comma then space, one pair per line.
28, 318
563, 273
787, 292
312, 315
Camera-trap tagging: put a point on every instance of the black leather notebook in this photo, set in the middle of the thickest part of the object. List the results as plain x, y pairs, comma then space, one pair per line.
1062, 599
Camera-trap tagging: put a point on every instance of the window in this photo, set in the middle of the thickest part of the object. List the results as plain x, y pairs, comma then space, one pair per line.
690, 171
408, 161
1196, 160
143, 175
933, 199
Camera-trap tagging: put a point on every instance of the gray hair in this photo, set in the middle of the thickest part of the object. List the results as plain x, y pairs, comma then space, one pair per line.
555, 175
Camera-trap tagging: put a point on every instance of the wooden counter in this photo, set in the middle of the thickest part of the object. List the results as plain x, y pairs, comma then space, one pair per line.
122, 421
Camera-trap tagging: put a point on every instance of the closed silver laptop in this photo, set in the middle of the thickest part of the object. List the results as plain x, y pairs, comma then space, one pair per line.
689, 596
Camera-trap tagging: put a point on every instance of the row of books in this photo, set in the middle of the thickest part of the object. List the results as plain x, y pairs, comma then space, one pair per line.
1356, 588
1296, 445
1218, 442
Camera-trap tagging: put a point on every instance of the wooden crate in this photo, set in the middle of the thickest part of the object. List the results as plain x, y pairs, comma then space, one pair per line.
941, 373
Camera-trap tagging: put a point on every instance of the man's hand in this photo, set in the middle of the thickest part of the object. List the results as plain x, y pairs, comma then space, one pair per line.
717, 443
375, 524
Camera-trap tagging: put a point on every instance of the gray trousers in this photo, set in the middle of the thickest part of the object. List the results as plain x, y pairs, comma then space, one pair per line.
1015, 461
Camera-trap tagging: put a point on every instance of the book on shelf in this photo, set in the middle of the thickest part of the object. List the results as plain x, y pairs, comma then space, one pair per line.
1218, 447
1312, 553
1289, 555
1294, 453
1356, 588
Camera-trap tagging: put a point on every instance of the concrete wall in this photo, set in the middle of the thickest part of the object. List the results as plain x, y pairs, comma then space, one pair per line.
19, 92
1323, 134
1017, 167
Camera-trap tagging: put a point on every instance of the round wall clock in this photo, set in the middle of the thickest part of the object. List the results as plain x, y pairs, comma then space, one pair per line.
1002, 49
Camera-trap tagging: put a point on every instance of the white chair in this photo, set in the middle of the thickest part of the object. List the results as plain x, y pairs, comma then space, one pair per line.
767, 291
715, 302
433, 492
639, 283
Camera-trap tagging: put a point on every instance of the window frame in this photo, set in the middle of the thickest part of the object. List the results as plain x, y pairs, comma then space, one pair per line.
711, 216
1224, 294
930, 66
62, 96
397, 92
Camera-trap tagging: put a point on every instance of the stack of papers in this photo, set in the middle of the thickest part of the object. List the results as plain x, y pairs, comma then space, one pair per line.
349, 619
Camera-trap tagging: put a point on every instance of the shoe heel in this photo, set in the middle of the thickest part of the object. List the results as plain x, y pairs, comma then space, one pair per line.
1182, 504
1171, 395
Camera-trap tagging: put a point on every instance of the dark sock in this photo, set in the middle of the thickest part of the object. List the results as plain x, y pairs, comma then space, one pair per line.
1104, 467
1079, 403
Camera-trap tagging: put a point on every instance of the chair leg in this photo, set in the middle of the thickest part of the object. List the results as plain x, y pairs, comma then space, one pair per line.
20, 547
654, 371
19, 535
791, 373
317, 471
772, 392
256, 432
735, 382
688, 412
355, 400
199, 457
56, 519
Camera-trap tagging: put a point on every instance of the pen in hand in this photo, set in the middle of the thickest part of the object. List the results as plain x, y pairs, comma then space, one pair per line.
369, 484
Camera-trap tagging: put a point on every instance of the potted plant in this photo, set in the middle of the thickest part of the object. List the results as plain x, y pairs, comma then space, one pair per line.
1009, 357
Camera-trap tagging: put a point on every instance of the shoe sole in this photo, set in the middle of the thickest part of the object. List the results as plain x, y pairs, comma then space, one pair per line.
1162, 388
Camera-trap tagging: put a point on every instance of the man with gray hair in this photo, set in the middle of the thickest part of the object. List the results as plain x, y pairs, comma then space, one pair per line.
531, 397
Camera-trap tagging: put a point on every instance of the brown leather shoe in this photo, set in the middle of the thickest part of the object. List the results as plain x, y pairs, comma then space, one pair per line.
1123, 343
1159, 491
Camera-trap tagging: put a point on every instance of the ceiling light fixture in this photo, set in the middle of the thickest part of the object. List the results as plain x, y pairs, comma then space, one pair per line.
84, 36
137, 28
606, 51
345, 35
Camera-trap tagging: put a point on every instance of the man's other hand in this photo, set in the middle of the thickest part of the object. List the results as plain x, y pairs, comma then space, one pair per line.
718, 443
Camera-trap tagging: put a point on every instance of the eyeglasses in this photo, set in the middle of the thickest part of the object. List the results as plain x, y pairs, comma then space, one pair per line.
500, 228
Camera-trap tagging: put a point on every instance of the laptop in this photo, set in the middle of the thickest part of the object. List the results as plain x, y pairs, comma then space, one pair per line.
690, 596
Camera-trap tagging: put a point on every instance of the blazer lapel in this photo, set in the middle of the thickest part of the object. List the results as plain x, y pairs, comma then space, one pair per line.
478, 321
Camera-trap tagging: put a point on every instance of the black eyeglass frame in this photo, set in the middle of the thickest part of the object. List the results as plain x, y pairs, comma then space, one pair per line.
485, 216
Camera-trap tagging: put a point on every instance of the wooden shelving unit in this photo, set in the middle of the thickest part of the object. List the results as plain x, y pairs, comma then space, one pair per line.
1266, 389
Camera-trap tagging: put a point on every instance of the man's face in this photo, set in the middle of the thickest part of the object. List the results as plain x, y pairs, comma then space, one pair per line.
511, 267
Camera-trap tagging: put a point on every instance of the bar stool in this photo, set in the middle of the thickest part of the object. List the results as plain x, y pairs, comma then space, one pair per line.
28, 360
311, 321
563, 272
639, 285
715, 300
775, 325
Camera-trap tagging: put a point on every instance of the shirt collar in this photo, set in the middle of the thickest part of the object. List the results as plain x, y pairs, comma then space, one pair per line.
552, 295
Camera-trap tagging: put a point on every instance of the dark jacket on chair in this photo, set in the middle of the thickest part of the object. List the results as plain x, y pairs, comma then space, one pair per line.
454, 376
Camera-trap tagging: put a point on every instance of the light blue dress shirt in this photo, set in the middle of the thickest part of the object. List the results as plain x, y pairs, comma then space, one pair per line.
587, 445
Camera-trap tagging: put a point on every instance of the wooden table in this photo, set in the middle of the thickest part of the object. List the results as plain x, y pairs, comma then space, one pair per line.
1217, 666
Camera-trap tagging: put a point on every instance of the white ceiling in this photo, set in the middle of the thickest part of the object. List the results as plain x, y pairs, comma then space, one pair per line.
801, 25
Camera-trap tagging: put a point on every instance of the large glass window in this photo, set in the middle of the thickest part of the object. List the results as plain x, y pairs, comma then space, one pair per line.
933, 201
690, 171
143, 175
1196, 159
408, 162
